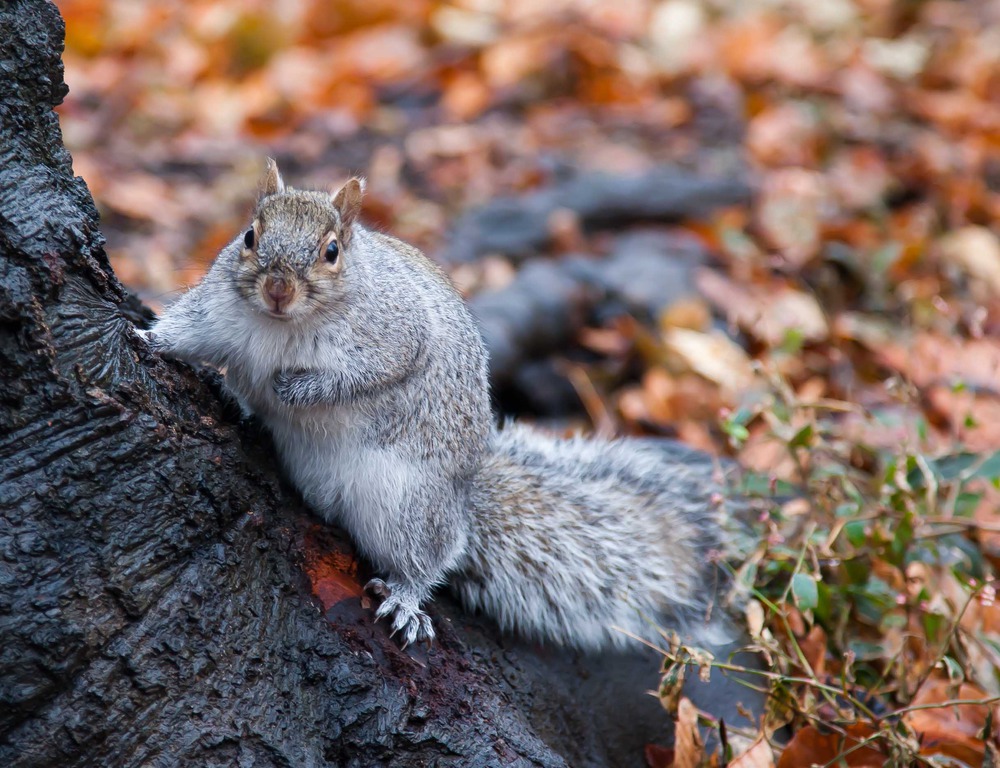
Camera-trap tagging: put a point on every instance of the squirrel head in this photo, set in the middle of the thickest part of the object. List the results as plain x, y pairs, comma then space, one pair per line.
292, 258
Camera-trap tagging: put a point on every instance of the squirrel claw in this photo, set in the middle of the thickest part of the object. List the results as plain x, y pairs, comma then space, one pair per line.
408, 620
378, 588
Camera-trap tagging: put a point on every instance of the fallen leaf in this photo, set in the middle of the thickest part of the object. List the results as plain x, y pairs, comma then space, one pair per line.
676, 34
714, 356
755, 618
765, 453
691, 313
813, 647
951, 730
464, 26
790, 212
332, 570
787, 133
811, 747
975, 417
987, 513
513, 58
759, 755
770, 312
860, 178
976, 252
465, 96
697, 435
931, 358
142, 196
688, 748
901, 58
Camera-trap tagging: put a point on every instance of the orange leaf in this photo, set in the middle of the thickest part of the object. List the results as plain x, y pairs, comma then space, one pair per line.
809, 747
332, 570
950, 730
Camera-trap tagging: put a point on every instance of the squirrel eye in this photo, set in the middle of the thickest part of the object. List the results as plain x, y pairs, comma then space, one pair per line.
248, 239
332, 252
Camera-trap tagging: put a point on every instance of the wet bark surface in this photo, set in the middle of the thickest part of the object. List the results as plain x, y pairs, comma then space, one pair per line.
165, 599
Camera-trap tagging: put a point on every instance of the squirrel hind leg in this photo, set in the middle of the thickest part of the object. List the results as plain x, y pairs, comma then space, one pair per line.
401, 603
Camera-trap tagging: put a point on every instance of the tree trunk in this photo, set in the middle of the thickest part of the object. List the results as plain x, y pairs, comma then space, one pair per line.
164, 598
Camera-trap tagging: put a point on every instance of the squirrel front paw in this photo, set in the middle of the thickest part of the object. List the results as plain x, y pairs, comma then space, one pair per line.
290, 387
403, 605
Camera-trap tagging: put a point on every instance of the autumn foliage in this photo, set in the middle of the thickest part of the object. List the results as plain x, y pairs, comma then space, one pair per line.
841, 336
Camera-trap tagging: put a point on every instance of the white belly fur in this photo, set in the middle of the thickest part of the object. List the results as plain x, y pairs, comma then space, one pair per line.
342, 476
362, 487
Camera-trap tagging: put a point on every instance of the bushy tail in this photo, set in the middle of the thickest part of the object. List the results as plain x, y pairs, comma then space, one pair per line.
572, 538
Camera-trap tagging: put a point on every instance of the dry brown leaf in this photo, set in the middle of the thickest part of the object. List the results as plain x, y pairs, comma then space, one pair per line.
512, 59
765, 453
690, 313
688, 748
768, 312
632, 406
466, 96
811, 747
974, 417
758, 755
464, 26
950, 730
790, 212
698, 398
697, 435
931, 358
813, 647
382, 53
893, 427
714, 356
987, 513
958, 111
142, 196
610, 342
755, 618
976, 251
658, 390
860, 177
676, 34
759, 47
787, 133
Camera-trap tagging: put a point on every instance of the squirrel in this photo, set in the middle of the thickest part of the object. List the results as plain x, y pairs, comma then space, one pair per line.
366, 366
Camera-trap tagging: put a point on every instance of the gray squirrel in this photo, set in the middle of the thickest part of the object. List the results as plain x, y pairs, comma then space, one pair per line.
365, 365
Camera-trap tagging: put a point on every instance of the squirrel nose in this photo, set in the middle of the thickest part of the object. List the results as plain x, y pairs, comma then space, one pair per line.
278, 290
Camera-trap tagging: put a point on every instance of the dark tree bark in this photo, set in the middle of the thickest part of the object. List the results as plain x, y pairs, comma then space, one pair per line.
164, 598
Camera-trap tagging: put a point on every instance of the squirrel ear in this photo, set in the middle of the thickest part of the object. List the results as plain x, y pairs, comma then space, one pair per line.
271, 182
348, 201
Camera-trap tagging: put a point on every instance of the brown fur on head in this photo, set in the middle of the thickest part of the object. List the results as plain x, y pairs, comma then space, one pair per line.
292, 257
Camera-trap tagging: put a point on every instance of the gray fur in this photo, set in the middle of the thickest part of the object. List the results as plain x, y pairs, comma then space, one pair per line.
373, 382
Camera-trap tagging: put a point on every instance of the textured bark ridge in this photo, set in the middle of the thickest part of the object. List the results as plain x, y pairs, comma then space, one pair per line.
164, 598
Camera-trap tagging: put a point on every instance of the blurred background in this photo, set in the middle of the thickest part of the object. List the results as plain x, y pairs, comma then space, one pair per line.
867, 130
768, 228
